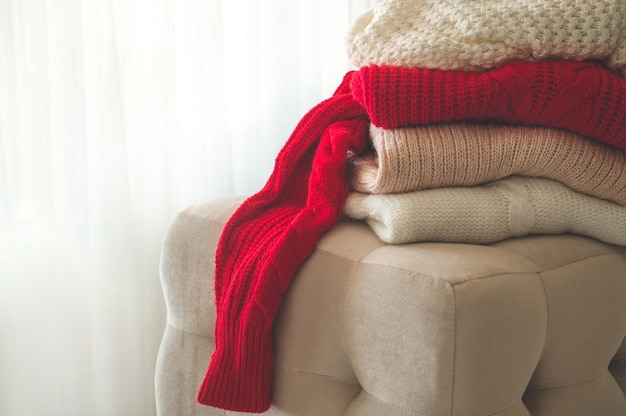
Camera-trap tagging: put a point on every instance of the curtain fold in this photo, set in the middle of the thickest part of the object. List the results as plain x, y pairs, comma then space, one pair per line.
115, 115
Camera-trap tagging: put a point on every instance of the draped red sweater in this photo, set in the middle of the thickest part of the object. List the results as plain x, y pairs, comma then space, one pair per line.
273, 232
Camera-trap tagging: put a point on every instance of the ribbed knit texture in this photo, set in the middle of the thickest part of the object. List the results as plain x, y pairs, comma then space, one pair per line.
510, 207
274, 231
464, 154
477, 35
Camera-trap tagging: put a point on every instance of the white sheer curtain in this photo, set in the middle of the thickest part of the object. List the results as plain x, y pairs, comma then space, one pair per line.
114, 115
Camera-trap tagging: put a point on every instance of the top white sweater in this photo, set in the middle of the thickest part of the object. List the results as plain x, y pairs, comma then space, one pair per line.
477, 35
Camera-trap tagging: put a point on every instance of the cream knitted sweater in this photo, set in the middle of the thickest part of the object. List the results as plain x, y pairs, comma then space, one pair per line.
476, 35
515, 206
465, 154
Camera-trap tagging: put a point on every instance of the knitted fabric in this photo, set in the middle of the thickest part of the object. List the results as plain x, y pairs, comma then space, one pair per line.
510, 207
265, 241
275, 230
583, 98
464, 154
477, 35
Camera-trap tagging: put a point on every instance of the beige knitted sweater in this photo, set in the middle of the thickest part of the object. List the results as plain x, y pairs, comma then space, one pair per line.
515, 206
464, 154
476, 35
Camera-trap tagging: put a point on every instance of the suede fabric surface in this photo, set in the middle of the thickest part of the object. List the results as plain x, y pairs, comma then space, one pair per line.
526, 326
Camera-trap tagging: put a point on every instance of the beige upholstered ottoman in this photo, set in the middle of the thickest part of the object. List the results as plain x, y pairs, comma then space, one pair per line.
528, 326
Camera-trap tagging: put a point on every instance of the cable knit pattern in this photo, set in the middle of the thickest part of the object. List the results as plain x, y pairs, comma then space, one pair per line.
510, 207
477, 35
463, 154
583, 98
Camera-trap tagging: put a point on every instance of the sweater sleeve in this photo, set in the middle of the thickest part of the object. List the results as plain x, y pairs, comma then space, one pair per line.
264, 243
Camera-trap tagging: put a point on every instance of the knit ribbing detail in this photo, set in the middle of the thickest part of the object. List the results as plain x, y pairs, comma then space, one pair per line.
239, 382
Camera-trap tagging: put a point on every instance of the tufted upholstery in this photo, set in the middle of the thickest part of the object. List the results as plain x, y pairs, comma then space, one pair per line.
528, 326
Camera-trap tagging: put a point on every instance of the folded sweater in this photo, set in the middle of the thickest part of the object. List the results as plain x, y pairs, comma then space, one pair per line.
274, 231
510, 207
477, 35
464, 154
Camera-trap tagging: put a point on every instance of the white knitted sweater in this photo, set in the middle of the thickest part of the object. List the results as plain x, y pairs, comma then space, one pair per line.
515, 206
476, 35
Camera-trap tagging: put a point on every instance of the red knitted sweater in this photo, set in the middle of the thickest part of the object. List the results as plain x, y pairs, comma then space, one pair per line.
274, 231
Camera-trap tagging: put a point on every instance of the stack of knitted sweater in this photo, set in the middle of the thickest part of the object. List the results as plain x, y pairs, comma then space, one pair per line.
418, 183
468, 121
